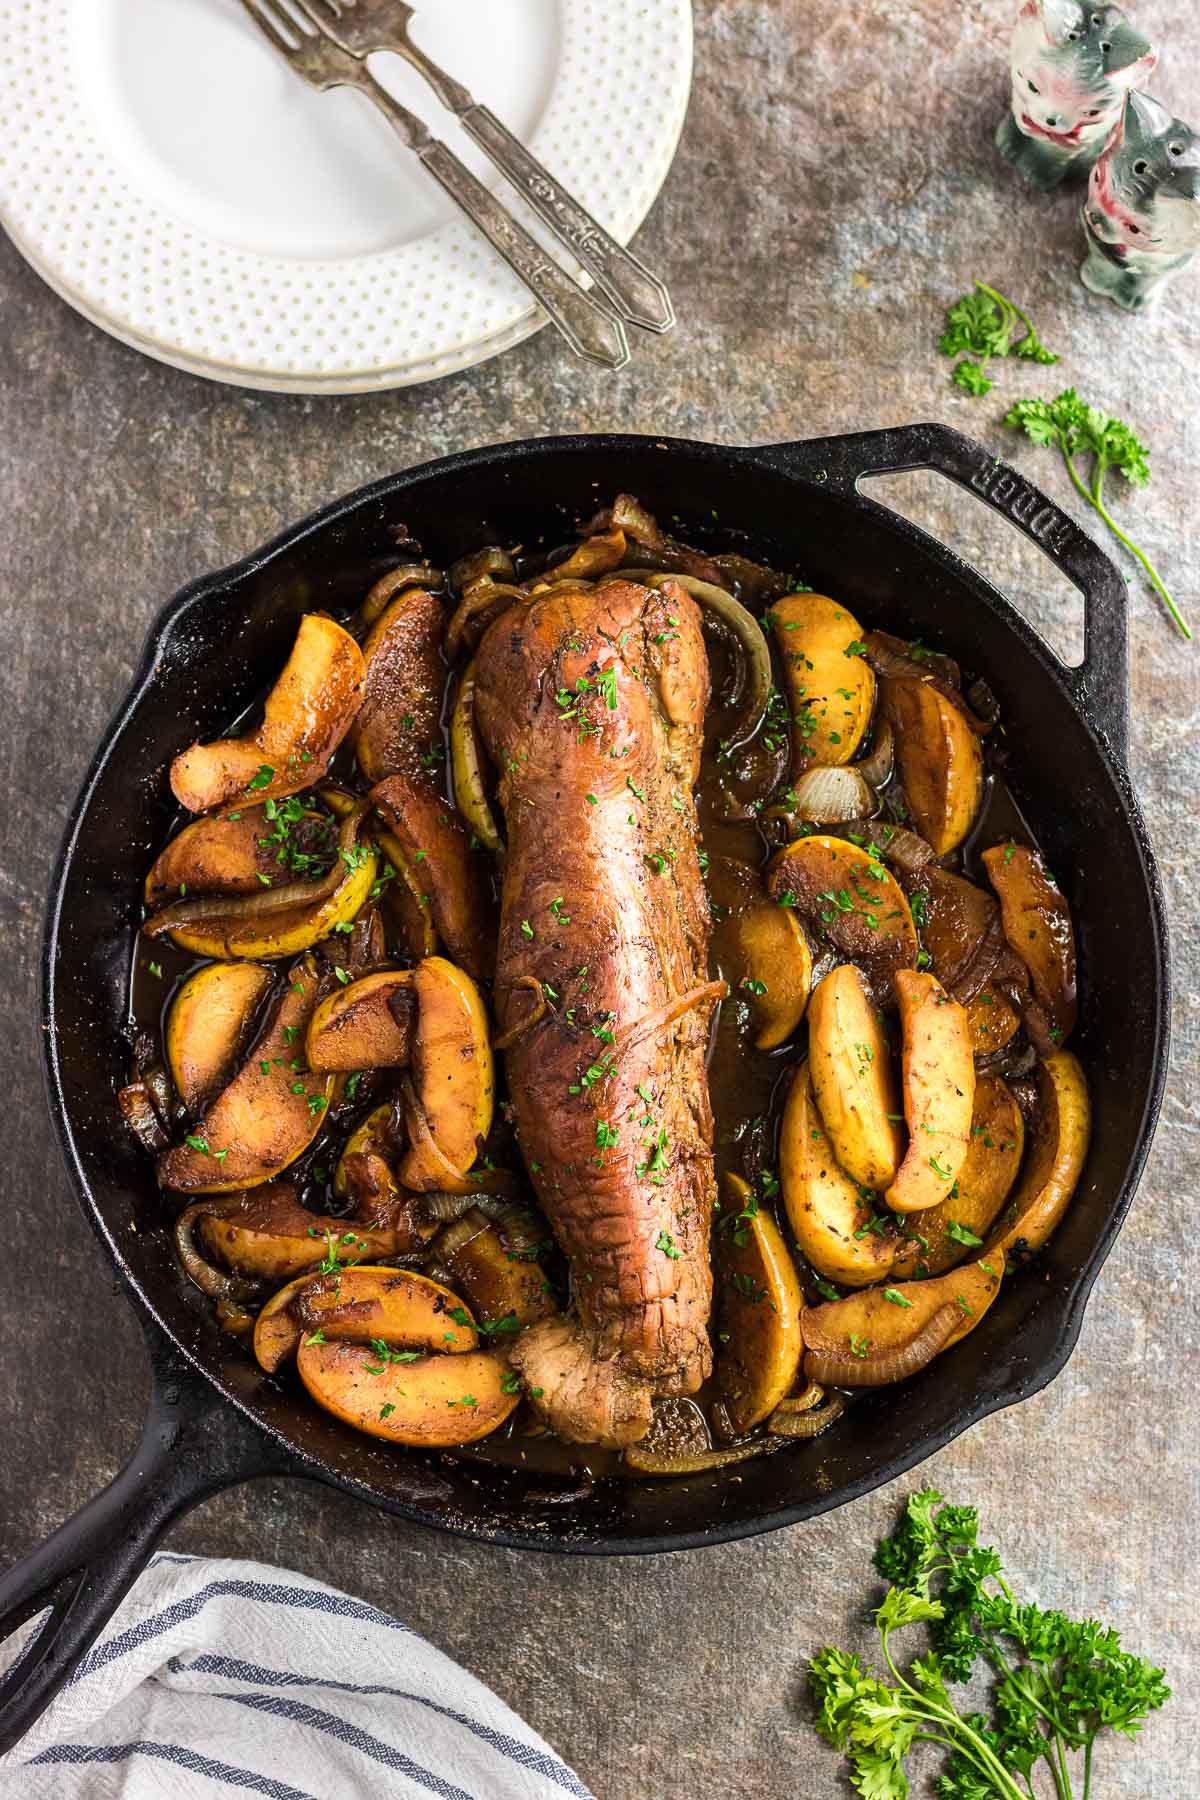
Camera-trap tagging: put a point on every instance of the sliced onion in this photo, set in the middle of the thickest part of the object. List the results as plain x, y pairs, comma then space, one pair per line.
807, 1424
218, 1284
243, 909
748, 632
877, 768
812, 1396
394, 582
140, 1115
825, 796
841, 1368
699, 1462
470, 793
631, 517
482, 601
453, 1181
444, 1208
491, 560
597, 555
534, 1016
668, 1014
454, 1237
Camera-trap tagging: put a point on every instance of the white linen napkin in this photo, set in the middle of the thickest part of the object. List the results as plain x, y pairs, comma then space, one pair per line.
217, 1677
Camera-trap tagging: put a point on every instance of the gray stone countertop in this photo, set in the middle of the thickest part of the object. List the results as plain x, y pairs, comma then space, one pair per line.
835, 187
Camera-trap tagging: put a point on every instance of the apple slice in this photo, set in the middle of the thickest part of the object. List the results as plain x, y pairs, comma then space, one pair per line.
828, 1214
1056, 1157
759, 1344
938, 1080
850, 1062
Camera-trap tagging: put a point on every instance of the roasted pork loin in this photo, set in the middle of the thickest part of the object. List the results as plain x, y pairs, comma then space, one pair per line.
591, 705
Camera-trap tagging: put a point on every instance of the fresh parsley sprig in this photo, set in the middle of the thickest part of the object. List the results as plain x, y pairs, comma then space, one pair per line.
1058, 1683
982, 324
1070, 425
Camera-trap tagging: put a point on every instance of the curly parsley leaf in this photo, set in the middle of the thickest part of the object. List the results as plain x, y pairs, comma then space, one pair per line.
1069, 425
981, 325
1058, 1683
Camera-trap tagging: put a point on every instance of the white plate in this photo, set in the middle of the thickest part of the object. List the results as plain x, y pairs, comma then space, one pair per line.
168, 176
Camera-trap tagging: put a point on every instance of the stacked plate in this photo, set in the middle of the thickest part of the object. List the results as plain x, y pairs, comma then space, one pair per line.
176, 183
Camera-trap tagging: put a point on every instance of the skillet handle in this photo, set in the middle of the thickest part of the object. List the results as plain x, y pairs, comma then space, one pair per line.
1100, 685
193, 1443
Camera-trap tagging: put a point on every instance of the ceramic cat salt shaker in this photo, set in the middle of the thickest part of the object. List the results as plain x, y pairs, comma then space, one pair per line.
1142, 215
1072, 66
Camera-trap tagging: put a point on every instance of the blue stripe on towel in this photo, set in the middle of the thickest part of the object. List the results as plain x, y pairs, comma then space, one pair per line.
339, 1605
183, 1759
525, 1754
350, 1735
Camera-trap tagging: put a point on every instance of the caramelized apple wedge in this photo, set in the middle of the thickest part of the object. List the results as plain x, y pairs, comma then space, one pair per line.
938, 1081
887, 1334
505, 1290
773, 969
366, 1025
830, 686
850, 1062
453, 1072
276, 921
830, 1218
237, 852
272, 1237
395, 1307
307, 714
270, 1112
1037, 924
758, 1344
399, 720
956, 1228
1056, 1157
207, 1026
992, 1021
848, 901
455, 879
938, 757
434, 1402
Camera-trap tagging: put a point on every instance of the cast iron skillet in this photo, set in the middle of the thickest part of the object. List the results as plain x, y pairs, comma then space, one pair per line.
214, 1419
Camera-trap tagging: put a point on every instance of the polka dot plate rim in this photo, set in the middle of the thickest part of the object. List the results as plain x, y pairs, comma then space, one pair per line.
168, 177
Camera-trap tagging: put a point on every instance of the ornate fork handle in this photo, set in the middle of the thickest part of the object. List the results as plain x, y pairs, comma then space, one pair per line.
640, 296
588, 326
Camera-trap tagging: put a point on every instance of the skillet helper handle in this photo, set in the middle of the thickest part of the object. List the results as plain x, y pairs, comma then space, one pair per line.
193, 1443
1100, 684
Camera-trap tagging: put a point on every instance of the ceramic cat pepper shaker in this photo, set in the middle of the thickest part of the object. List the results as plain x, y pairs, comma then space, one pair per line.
1072, 66
1142, 216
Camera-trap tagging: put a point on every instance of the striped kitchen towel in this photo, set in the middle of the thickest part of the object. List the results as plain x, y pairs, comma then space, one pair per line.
223, 1677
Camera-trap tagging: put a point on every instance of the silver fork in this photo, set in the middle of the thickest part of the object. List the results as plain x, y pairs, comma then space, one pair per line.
365, 26
584, 320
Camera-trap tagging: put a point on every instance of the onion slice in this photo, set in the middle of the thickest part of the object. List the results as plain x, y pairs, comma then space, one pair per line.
808, 1424
492, 560
748, 632
841, 1368
218, 1284
393, 583
877, 768
245, 909
470, 794
482, 601
699, 1462
826, 796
